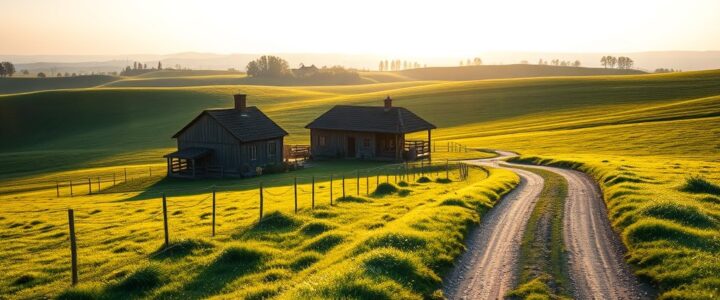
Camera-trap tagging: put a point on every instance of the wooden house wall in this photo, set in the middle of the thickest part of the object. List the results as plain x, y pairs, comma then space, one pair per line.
207, 133
228, 152
336, 143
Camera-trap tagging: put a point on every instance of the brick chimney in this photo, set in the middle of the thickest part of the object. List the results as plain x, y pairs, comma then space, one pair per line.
388, 103
240, 102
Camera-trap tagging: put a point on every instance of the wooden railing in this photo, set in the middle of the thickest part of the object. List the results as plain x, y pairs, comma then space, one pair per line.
416, 150
296, 152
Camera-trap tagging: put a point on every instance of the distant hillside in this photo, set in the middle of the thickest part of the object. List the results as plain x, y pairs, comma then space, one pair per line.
492, 72
14, 85
80, 126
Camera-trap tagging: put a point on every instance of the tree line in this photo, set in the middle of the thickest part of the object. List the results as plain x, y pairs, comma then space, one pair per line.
397, 65
561, 63
474, 62
7, 69
139, 68
275, 67
622, 62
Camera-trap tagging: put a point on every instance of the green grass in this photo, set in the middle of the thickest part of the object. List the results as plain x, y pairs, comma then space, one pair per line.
543, 262
643, 138
13, 85
351, 248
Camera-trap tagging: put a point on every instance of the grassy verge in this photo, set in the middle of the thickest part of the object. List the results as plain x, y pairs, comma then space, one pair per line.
668, 220
543, 263
395, 244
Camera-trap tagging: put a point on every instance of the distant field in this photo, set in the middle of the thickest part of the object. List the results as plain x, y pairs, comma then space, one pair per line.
12, 85
504, 71
642, 137
111, 121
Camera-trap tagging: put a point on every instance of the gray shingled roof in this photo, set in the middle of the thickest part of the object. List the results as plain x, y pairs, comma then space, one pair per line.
250, 125
370, 119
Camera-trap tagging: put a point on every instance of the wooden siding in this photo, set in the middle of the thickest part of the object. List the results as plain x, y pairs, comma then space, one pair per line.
336, 144
228, 152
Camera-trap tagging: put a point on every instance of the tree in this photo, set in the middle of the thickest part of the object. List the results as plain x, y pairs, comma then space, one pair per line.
612, 61
380, 66
41, 75
604, 61
576, 64
9, 68
477, 61
2, 71
144, 66
24, 72
159, 65
268, 66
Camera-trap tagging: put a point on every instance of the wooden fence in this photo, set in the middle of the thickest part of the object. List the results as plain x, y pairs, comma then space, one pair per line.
407, 172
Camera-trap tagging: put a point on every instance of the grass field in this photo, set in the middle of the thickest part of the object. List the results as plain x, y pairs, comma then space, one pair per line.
651, 141
406, 237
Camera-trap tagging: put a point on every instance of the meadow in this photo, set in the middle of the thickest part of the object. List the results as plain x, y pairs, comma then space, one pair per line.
650, 140
409, 232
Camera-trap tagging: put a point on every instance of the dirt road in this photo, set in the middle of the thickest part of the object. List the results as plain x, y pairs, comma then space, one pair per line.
487, 270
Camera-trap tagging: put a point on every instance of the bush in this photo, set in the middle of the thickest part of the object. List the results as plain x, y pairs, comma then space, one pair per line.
699, 185
424, 179
385, 189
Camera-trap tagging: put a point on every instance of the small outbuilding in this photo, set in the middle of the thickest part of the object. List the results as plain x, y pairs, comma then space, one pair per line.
238, 141
369, 132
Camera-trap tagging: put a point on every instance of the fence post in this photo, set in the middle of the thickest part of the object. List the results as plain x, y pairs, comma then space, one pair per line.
113, 178
213, 213
98, 184
125, 170
261, 201
331, 192
165, 221
343, 186
422, 168
57, 189
89, 187
71, 191
73, 247
377, 180
367, 185
150, 170
313, 192
447, 169
357, 184
295, 185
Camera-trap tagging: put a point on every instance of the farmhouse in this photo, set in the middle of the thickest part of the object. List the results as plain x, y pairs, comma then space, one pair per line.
369, 132
221, 142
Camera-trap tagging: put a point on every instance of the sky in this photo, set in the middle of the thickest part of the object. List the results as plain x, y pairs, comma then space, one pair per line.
417, 28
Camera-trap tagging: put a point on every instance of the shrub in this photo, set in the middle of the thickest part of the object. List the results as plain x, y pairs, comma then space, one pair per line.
325, 242
317, 227
182, 248
385, 189
424, 179
277, 221
699, 185
304, 261
443, 180
403, 184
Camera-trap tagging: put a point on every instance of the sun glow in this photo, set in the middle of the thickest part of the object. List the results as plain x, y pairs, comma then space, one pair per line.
424, 28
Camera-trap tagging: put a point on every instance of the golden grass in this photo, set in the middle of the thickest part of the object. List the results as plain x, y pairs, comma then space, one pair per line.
120, 240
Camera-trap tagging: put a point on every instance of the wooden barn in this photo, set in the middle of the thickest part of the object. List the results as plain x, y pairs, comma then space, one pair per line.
227, 142
369, 132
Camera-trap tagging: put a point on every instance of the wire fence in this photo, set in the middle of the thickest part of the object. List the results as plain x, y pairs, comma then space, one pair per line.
221, 210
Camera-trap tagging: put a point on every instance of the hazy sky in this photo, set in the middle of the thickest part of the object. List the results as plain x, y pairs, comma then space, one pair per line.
418, 28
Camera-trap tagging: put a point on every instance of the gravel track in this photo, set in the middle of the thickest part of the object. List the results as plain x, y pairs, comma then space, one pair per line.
488, 269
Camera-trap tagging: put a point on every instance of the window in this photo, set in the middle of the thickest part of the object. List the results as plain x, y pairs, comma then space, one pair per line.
366, 142
272, 149
252, 149
321, 140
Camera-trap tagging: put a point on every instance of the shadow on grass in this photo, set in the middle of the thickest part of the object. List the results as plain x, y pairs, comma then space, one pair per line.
153, 188
231, 264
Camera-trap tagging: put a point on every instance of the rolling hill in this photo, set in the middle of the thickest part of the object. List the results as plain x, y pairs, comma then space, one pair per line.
650, 140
